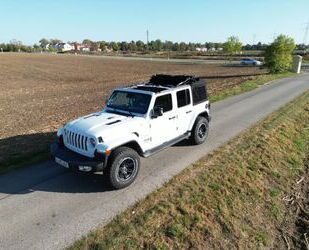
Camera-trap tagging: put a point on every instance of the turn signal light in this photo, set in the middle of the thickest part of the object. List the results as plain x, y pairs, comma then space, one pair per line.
108, 152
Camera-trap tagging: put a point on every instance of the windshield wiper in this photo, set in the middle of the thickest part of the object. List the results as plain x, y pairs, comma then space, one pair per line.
120, 111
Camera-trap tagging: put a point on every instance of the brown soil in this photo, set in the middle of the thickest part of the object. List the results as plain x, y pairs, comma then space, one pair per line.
39, 93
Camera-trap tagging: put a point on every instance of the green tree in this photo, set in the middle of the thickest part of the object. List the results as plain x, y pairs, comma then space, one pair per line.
191, 46
102, 45
94, 46
183, 46
87, 42
168, 45
232, 45
140, 45
124, 46
176, 47
36, 47
132, 46
55, 41
114, 46
278, 55
43, 42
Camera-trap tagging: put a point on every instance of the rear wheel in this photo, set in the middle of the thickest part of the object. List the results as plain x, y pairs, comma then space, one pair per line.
200, 129
123, 167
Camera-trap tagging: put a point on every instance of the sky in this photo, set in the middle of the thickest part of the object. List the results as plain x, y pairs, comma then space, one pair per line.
175, 20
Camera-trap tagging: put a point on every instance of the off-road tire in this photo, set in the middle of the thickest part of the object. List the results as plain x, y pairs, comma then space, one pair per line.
199, 133
122, 160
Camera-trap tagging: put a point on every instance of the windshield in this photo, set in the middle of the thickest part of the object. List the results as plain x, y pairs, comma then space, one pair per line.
129, 101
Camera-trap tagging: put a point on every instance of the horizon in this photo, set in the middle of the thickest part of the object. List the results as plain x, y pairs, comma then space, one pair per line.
168, 21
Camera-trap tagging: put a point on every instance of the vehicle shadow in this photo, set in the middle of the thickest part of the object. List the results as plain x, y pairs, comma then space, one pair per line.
45, 176
36, 172
20, 149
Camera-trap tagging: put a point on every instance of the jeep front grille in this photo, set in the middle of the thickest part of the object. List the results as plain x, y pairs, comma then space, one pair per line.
76, 140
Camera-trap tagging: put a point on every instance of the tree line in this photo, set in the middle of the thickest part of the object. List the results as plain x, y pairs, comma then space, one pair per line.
277, 55
139, 46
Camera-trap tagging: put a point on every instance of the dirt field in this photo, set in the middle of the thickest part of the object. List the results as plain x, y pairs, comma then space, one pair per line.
38, 93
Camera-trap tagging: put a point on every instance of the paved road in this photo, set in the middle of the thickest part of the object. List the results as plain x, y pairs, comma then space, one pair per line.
45, 207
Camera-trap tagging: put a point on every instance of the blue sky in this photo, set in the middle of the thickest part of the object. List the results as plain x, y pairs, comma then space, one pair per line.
176, 20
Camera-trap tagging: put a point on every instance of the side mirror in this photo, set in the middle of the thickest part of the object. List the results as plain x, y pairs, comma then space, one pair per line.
156, 112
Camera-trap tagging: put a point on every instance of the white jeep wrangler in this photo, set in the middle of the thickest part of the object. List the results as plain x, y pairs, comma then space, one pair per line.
137, 121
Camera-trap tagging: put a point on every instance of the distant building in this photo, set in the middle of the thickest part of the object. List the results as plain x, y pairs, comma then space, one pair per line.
203, 49
63, 47
77, 46
85, 48
81, 47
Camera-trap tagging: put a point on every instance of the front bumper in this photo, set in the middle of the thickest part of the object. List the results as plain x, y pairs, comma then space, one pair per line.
69, 159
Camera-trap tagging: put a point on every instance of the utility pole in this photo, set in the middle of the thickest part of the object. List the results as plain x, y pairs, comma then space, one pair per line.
254, 37
147, 37
306, 33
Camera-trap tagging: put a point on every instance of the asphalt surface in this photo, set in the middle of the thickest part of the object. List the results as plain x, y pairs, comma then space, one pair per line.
46, 207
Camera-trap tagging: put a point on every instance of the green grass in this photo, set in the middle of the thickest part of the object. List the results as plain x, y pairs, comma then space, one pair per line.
230, 199
249, 85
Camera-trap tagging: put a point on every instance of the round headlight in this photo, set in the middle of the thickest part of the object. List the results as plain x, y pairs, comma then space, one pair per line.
92, 142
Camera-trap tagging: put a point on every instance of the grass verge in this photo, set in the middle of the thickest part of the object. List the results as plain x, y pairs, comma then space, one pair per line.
249, 85
20, 160
230, 199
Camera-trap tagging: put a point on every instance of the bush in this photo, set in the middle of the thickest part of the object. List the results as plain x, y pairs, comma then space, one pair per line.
278, 55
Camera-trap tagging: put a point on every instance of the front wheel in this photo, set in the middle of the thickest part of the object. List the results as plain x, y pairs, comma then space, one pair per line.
123, 167
200, 129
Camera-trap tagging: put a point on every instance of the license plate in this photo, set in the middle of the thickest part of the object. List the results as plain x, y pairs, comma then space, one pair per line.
62, 162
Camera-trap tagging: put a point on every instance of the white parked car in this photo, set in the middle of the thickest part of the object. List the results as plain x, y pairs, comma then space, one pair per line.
250, 61
137, 121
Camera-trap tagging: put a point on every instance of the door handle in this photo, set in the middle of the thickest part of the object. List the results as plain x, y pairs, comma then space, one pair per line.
188, 111
171, 118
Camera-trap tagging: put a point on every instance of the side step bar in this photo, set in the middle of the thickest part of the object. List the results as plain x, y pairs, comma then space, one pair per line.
166, 144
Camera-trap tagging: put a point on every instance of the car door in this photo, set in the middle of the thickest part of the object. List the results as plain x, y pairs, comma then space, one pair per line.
184, 110
163, 128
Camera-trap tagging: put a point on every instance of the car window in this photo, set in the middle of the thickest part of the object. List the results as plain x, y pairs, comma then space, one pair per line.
199, 94
129, 101
183, 98
165, 102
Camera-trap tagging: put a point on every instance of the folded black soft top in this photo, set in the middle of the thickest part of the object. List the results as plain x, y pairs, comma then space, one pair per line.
172, 80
